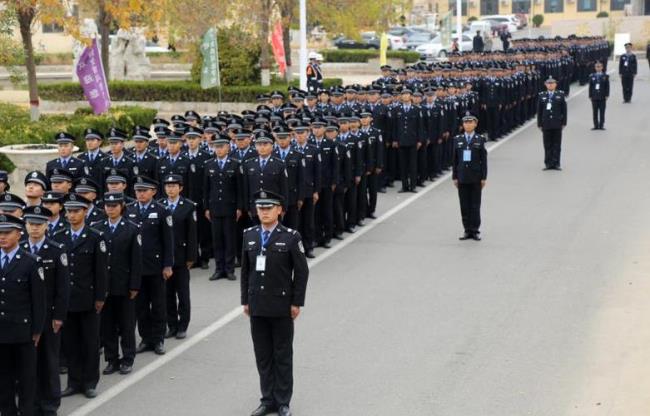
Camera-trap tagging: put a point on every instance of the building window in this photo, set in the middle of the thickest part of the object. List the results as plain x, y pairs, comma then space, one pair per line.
554, 6
52, 28
463, 7
521, 6
618, 4
586, 5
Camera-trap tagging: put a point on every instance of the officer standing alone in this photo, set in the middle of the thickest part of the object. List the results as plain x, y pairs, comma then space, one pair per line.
273, 286
551, 119
627, 70
469, 175
598, 94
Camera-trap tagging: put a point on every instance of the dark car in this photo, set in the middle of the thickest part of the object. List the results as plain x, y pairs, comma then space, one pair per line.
365, 43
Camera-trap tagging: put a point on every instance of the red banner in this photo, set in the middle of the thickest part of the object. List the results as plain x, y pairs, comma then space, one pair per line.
278, 48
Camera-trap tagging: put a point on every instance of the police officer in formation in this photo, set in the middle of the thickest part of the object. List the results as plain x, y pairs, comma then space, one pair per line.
273, 287
551, 119
627, 68
598, 94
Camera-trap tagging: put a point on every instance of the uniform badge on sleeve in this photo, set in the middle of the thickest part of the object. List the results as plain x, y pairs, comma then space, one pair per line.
194, 215
139, 239
169, 220
102, 246
41, 273
301, 247
64, 259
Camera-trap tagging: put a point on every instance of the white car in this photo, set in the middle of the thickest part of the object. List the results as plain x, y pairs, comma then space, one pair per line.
435, 48
508, 20
396, 43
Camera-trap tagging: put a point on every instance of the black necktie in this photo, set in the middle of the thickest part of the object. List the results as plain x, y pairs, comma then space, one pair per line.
5, 262
34, 249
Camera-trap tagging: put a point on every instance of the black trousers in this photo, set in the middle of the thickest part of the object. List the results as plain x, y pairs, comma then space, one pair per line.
244, 222
324, 216
118, 329
552, 147
339, 209
390, 164
151, 309
273, 345
423, 173
17, 378
408, 164
306, 222
627, 81
493, 124
178, 299
48, 382
373, 188
204, 236
470, 206
362, 198
598, 108
351, 205
81, 344
291, 217
224, 242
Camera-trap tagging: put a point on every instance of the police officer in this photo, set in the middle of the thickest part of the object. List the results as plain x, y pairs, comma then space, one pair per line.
93, 155
57, 283
627, 70
273, 286
22, 317
469, 173
294, 166
76, 167
89, 189
183, 212
53, 201
598, 93
314, 74
311, 179
124, 245
88, 283
329, 151
157, 230
409, 131
145, 163
551, 119
175, 162
224, 204
36, 184
4, 181
61, 181
118, 160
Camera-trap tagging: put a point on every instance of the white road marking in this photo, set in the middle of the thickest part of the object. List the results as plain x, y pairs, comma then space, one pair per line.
236, 312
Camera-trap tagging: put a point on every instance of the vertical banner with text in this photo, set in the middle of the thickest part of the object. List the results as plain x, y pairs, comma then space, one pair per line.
92, 78
277, 43
210, 75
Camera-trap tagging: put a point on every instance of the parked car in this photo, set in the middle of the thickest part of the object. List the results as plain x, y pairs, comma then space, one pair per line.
418, 39
343, 42
509, 21
522, 18
435, 49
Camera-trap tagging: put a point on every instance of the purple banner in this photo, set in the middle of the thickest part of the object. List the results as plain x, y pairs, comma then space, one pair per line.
93, 81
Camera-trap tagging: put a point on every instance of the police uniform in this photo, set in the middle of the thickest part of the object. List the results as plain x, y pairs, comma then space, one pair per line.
470, 169
274, 278
178, 164
183, 212
552, 118
124, 246
124, 165
627, 68
223, 197
22, 316
75, 167
57, 224
57, 292
324, 209
88, 185
311, 184
157, 230
93, 159
409, 130
294, 166
145, 163
88, 284
598, 93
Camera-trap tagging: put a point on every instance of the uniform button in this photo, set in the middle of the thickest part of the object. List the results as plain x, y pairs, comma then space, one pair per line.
283, 292
2, 291
2, 313
262, 287
71, 283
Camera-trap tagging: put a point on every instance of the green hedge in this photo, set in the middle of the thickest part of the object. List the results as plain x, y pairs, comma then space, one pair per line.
165, 91
364, 55
16, 127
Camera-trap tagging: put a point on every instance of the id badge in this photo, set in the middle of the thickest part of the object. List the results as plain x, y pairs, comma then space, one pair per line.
260, 263
549, 105
467, 155
625, 63
597, 87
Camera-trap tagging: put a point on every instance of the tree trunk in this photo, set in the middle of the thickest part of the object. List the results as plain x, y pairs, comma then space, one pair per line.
265, 61
286, 14
104, 32
25, 19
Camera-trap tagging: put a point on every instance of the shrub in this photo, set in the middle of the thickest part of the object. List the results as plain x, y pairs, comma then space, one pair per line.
602, 14
364, 55
165, 91
538, 20
471, 19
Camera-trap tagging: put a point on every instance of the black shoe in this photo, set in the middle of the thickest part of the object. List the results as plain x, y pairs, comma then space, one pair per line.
263, 410
351, 230
111, 368
231, 276
338, 236
63, 370
69, 391
594, 128
413, 191
159, 348
556, 168
126, 368
216, 276
142, 347
390, 184
284, 411
402, 191
465, 236
326, 244
310, 254
476, 237
90, 393
181, 334
371, 216
601, 128
204, 265
382, 190
361, 223
171, 333
547, 168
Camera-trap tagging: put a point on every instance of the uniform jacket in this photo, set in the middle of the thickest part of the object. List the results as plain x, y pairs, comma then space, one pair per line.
57, 277
294, 164
147, 165
627, 64
329, 162
76, 167
223, 188
194, 185
95, 170
157, 230
474, 170
273, 178
124, 256
125, 167
22, 299
598, 86
409, 125
87, 262
551, 111
181, 166
283, 282
312, 169
185, 231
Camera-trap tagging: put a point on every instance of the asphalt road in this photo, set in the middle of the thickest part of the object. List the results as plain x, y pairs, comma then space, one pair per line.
546, 316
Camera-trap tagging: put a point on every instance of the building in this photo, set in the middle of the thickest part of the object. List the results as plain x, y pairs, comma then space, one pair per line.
552, 10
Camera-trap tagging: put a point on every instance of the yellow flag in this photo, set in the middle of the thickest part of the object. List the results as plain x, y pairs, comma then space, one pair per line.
383, 47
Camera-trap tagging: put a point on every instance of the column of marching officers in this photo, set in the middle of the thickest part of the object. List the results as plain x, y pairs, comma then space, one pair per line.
113, 235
